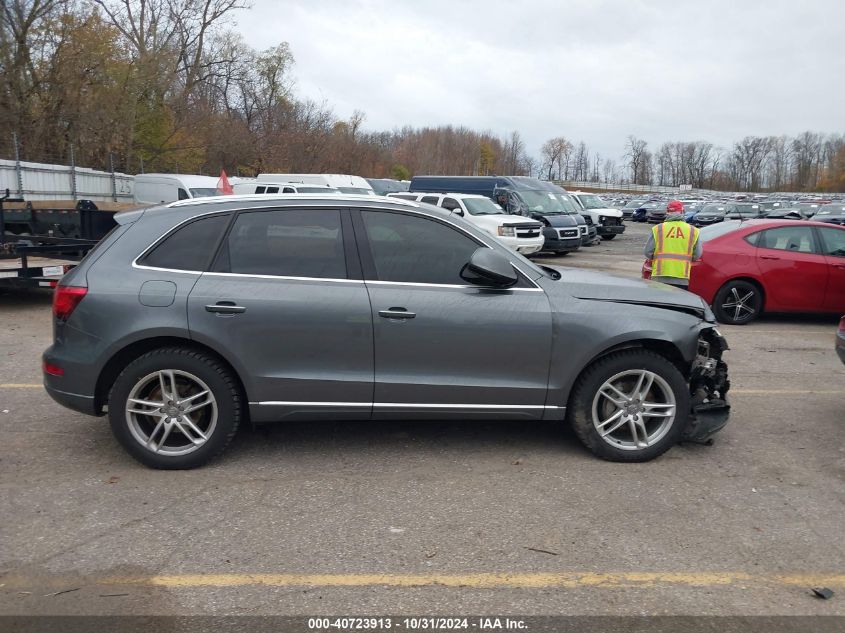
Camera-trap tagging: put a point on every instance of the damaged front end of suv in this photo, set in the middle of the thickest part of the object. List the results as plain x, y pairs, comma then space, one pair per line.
709, 386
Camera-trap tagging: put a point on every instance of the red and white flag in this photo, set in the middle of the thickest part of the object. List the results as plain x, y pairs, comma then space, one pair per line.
223, 186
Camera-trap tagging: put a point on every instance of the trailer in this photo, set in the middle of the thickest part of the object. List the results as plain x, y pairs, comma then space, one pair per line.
41, 240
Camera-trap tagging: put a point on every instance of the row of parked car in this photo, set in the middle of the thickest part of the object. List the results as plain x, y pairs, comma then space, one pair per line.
705, 212
550, 219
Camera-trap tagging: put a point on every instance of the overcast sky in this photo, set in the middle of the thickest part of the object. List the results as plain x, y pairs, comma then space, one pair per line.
588, 70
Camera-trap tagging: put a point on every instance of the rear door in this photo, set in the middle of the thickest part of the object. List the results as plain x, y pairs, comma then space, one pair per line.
794, 272
833, 248
285, 303
443, 347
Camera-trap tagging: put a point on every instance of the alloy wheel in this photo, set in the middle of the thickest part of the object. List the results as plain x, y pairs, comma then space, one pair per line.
171, 412
741, 304
633, 409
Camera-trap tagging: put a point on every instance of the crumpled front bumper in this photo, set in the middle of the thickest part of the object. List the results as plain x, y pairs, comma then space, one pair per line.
707, 420
709, 386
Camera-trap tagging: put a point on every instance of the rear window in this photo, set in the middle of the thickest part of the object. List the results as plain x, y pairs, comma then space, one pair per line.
189, 247
717, 230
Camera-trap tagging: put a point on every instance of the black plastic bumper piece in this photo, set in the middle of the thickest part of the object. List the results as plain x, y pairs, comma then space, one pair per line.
610, 230
707, 420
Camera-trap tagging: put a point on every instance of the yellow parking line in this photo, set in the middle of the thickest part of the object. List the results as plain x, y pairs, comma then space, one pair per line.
492, 580
787, 392
19, 385
829, 332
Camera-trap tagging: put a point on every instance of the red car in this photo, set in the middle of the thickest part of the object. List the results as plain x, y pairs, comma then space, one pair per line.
773, 265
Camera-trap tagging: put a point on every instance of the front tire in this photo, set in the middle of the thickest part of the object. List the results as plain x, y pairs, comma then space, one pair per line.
630, 406
608, 237
175, 408
738, 302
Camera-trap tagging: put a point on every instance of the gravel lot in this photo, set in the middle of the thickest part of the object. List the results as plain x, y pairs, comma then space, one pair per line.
435, 518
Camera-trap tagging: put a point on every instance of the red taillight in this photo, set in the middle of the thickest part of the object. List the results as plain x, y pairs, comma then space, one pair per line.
65, 300
842, 325
53, 370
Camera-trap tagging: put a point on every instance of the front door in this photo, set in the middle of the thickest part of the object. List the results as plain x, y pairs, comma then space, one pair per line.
284, 305
443, 347
833, 247
794, 272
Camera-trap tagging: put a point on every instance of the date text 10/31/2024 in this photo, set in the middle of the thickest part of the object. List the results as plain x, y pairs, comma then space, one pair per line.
416, 624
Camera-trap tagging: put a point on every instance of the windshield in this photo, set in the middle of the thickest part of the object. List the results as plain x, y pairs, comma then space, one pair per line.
717, 230
715, 209
359, 190
482, 206
542, 202
592, 201
634, 204
204, 192
568, 204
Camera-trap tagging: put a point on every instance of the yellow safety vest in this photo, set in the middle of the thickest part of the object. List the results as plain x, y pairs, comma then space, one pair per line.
673, 245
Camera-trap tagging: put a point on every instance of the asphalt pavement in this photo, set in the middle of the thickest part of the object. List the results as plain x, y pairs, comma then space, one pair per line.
428, 518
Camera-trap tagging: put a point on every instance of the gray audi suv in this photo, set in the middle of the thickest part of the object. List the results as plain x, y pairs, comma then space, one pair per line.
190, 319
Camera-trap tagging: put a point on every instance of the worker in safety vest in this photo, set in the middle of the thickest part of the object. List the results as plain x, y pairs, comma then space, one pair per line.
672, 247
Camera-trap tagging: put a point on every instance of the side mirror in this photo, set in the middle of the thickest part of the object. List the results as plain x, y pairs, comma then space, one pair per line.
458, 211
486, 267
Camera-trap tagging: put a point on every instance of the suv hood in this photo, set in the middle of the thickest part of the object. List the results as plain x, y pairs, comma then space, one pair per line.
556, 220
595, 286
613, 213
502, 219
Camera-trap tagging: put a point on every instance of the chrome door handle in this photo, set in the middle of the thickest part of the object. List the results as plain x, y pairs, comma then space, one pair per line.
225, 307
396, 313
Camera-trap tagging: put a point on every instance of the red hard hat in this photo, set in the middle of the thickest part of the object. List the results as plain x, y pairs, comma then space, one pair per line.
675, 206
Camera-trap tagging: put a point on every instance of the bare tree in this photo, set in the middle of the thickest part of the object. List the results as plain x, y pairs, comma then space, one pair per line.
556, 153
638, 160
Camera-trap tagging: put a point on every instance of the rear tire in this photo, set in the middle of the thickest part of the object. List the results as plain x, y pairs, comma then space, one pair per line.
630, 406
738, 302
175, 408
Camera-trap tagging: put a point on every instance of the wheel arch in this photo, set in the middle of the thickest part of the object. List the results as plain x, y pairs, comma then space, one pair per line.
125, 355
749, 279
664, 348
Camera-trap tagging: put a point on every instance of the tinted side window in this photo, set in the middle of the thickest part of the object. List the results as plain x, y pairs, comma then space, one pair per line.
288, 190
189, 247
833, 241
286, 243
415, 249
183, 195
272, 190
450, 203
430, 199
798, 239
260, 189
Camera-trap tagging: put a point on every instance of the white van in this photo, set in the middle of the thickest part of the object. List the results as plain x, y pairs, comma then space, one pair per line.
160, 188
254, 186
343, 182
523, 235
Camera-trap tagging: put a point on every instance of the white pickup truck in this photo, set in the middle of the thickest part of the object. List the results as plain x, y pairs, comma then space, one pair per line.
523, 235
607, 220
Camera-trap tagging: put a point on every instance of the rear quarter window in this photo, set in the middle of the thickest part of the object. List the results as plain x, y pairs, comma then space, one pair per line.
190, 247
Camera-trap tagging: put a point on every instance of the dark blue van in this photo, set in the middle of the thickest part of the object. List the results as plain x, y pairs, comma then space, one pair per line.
518, 195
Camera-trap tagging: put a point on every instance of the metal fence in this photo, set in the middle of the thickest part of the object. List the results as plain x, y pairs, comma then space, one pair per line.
54, 174
608, 186
43, 181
